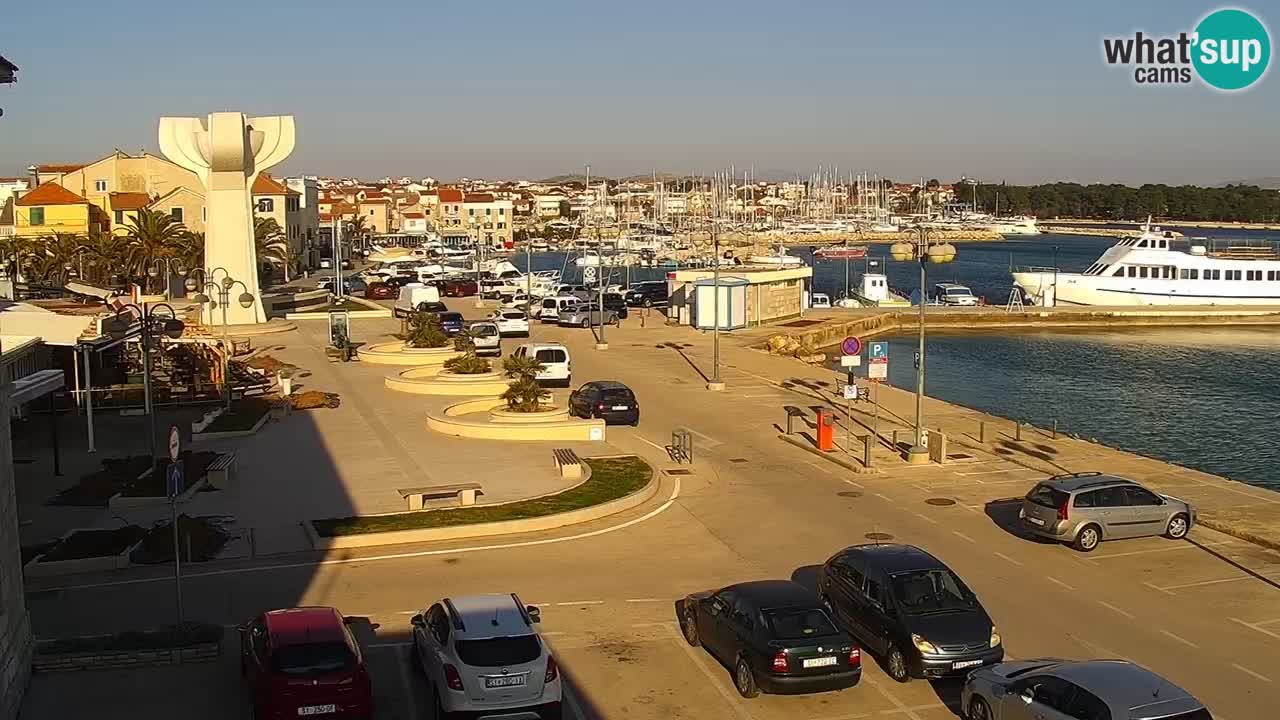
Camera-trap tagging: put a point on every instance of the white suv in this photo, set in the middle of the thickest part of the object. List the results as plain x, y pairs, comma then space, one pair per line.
557, 368
482, 657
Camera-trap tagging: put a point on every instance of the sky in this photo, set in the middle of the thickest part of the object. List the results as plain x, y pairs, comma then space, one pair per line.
1002, 91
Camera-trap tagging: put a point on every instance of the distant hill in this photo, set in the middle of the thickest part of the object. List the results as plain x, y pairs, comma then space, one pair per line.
1266, 183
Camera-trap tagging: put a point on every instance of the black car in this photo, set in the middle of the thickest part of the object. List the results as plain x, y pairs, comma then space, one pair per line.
909, 609
647, 294
606, 399
432, 307
616, 303
451, 322
775, 637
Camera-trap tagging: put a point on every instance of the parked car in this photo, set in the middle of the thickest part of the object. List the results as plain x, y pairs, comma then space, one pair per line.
1071, 689
953, 294
459, 288
381, 291
511, 323
551, 307
413, 297
303, 662
326, 264
451, 322
517, 300
909, 609
606, 399
486, 338
1084, 509
482, 657
350, 285
584, 315
556, 365
774, 636
647, 294
617, 303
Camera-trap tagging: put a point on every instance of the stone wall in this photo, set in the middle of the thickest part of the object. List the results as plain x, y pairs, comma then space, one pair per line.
777, 300
106, 660
15, 629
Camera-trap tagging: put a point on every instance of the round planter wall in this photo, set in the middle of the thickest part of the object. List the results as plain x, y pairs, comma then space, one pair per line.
503, 415
395, 353
432, 380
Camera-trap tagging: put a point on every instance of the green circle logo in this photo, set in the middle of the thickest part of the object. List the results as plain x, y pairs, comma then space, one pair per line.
1232, 49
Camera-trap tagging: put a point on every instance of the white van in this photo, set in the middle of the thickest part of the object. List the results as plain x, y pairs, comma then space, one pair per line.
552, 306
555, 362
413, 295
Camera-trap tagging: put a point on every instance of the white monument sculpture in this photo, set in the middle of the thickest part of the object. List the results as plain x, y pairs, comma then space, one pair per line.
227, 153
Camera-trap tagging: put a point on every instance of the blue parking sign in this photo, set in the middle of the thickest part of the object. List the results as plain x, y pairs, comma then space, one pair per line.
878, 350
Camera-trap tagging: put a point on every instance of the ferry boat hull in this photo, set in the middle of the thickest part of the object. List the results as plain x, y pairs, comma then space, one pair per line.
1042, 288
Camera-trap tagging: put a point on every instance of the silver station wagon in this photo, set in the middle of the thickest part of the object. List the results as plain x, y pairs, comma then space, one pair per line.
1084, 509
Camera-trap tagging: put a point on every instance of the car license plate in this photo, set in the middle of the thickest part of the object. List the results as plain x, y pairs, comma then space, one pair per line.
620, 407
501, 682
1036, 521
317, 709
964, 664
819, 662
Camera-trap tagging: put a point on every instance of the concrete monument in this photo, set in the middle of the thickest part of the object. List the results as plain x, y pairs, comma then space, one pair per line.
227, 152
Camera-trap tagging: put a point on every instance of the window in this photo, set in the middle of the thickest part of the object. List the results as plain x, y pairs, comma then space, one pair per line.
1048, 691
743, 614
1195, 273
1140, 497
1119, 271
874, 592
37, 216
488, 211
1168, 273
1271, 274
502, 225
1234, 274
798, 624
1109, 497
204, 214
1133, 271
499, 651
551, 356
1255, 274
923, 591
502, 211
1142, 272
471, 212
312, 658
266, 205
119, 217
438, 624
1087, 706
176, 214
1047, 496
100, 185
1086, 500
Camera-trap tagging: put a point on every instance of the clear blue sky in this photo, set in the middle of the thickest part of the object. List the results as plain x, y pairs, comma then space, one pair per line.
1000, 90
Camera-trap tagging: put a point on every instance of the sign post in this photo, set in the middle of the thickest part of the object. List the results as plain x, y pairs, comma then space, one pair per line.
877, 370
174, 487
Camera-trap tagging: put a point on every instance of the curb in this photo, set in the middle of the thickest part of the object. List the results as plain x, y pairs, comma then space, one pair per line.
829, 457
504, 527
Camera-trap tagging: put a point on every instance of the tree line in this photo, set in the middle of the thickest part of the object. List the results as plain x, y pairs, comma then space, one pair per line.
1238, 203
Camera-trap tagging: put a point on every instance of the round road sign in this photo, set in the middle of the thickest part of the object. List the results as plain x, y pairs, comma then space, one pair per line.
851, 345
175, 443
588, 274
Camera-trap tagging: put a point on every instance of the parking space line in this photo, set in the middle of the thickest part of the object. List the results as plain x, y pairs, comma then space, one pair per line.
1247, 671
1180, 546
1002, 556
962, 536
403, 657
1156, 588
580, 602
926, 518
1268, 622
1200, 583
994, 472
898, 704
1256, 627
648, 442
648, 600
372, 646
883, 497
1058, 582
733, 701
1115, 609
1180, 639
850, 482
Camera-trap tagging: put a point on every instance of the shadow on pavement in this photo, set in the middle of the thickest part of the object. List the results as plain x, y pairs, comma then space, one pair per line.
948, 691
1004, 513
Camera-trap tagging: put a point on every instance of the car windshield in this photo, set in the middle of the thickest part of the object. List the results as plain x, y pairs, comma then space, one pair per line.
958, 291
450, 317
1047, 496
497, 652
484, 330
799, 623
312, 658
927, 591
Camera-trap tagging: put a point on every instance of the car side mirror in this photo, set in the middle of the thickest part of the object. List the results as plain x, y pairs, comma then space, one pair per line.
417, 621
1027, 695
535, 615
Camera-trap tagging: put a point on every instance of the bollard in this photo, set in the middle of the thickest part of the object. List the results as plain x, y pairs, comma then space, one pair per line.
790, 418
895, 440
868, 442
1055, 428
1017, 430
982, 431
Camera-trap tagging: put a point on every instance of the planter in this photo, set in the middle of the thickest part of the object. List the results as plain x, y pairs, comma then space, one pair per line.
504, 415
120, 501
434, 381
39, 567
195, 643
498, 423
205, 436
395, 353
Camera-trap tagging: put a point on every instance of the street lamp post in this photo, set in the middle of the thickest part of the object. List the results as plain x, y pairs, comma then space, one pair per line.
223, 288
151, 325
168, 264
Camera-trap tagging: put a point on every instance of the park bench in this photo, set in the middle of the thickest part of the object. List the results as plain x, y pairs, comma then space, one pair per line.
221, 470
568, 463
416, 497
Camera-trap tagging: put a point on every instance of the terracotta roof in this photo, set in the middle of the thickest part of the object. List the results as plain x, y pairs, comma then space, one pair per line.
58, 168
267, 185
50, 194
450, 195
412, 215
375, 201
374, 194
479, 198
129, 200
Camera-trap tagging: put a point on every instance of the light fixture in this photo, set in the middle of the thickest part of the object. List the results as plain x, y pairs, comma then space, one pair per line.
173, 327
190, 284
246, 300
200, 298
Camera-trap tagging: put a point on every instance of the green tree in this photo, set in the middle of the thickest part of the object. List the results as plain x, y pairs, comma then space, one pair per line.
425, 331
271, 244
151, 236
523, 394
104, 255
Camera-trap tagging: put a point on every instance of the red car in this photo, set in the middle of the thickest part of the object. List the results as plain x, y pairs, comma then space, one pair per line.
304, 662
459, 288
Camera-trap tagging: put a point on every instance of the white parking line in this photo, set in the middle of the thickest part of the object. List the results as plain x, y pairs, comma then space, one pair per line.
1056, 581
1180, 546
1201, 583
648, 442
734, 701
580, 602
648, 600
994, 472
926, 518
883, 497
1116, 610
850, 482
1180, 639
1256, 627
962, 536
900, 707
408, 685
1002, 556
1247, 671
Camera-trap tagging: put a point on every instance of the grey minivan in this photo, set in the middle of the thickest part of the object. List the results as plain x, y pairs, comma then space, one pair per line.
1075, 690
1084, 509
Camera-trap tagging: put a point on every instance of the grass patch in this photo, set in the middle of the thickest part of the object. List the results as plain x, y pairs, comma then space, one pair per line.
611, 478
195, 464
84, 544
162, 638
347, 304
243, 416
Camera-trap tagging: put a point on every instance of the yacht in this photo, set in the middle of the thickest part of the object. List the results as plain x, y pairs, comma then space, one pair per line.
1148, 270
777, 258
1020, 225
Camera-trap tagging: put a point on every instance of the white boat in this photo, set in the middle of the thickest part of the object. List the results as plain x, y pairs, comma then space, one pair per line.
589, 258
1147, 270
1021, 225
778, 257
539, 246
882, 227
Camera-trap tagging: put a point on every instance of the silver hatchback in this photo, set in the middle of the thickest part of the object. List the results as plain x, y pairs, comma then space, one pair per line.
1084, 509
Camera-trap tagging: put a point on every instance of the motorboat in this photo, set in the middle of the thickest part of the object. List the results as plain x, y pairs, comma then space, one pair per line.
1020, 225
841, 252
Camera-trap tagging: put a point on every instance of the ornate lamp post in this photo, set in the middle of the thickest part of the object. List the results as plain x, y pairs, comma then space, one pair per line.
923, 253
155, 321
223, 288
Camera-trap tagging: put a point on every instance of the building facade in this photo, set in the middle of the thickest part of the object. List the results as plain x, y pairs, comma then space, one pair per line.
15, 626
51, 209
488, 219
308, 220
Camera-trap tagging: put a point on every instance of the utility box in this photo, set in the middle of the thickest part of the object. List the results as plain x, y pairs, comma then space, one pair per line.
826, 430
937, 443
732, 305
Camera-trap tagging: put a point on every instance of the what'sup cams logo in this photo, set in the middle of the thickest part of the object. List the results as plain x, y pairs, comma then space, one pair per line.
1229, 50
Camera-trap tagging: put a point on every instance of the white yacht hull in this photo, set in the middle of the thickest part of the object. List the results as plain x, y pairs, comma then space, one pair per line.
1077, 289
779, 260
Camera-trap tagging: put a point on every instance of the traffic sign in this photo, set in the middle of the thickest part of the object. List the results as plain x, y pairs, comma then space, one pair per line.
173, 480
850, 391
850, 360
175, 443
588, 275
878, 350
851, 345
878, 371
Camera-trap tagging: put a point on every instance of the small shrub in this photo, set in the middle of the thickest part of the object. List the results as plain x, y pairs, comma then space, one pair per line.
468, 364
425, 331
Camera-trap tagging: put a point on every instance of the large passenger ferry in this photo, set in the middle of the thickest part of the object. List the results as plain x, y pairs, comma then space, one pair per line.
1149, 270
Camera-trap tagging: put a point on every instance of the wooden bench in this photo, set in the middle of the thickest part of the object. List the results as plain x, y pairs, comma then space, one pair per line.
416, 497
568, 463
221, 471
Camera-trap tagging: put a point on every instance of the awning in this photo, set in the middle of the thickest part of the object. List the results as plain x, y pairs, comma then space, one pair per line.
36, 385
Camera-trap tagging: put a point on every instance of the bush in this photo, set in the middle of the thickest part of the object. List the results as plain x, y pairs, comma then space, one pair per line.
163, 638
524, 394
468, 364
425, 331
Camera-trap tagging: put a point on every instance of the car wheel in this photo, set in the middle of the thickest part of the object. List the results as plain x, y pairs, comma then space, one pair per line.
647, 302
1178, 527
744, 680
586, 323
979, 709
897, 665
1087, 539
689, 627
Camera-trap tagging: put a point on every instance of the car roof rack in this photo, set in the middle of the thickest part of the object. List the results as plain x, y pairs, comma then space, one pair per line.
454, 617
1064, 476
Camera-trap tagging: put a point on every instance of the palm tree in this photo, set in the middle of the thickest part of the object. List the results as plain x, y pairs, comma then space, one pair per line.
152, 236
51, 259
104, 254
190, 250
271, 244
524, 394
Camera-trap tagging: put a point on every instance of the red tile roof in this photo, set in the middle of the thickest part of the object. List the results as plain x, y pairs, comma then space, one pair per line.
129, 200
58, 168
50, 194
267, 185
479, 198
450, 195
412, 215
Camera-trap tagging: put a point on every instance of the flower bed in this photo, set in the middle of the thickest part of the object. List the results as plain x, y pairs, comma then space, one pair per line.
191, 642
245, 415
83, 544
